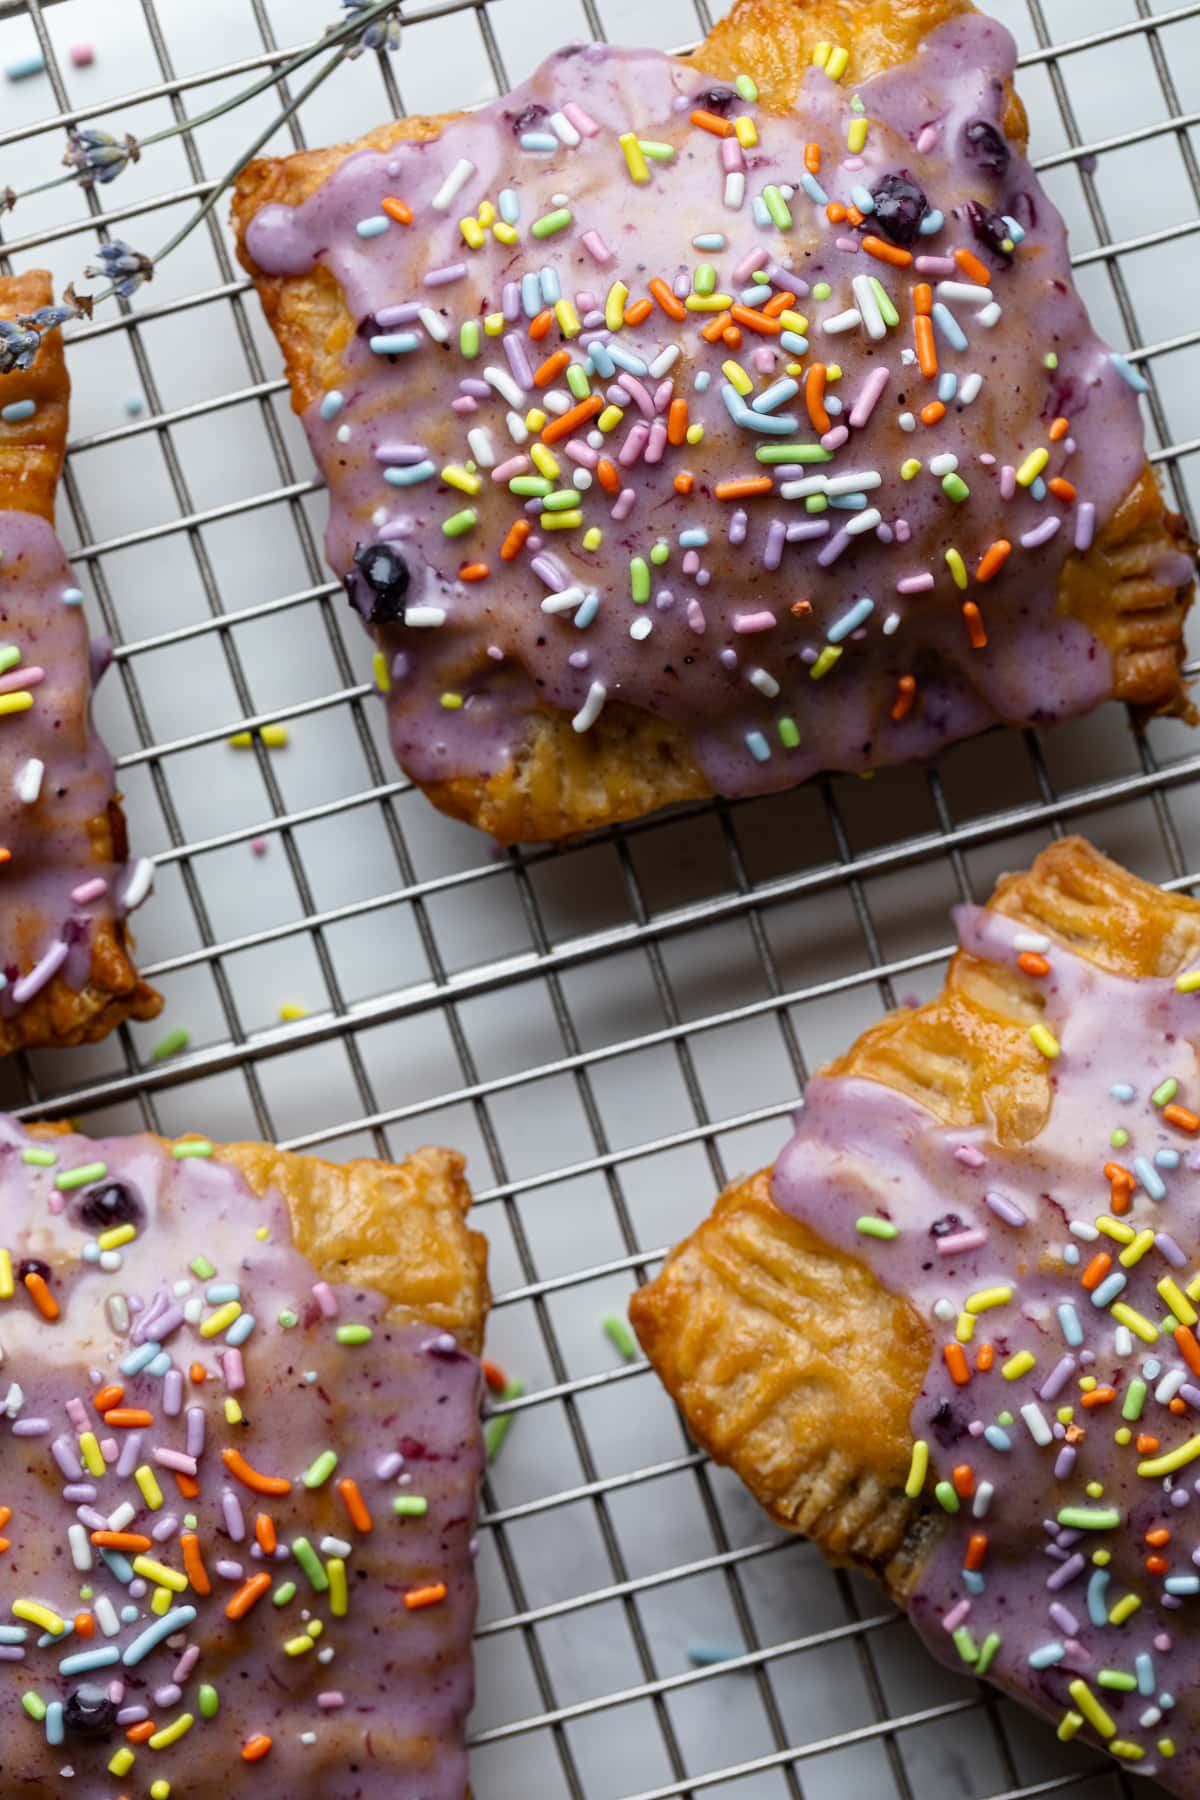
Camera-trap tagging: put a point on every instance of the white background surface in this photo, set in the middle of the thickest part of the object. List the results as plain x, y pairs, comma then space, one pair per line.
487, 1000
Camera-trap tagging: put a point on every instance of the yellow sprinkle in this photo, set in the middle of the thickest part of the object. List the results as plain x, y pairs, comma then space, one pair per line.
1065, 1414
794, 321
90, 1451
1116, 1228
1192, 1290
821, 54
918, 1469
1188, 982
339, 1598
1136, 1321
1094, 1491
1032, 467
506, 234
6, 1276
737, 377
123, 1760
535, 418
562, 521
986, 1298
957, 568
746, 131
614, 306
1123, 1436
383, 680
856, 137
160, 1572
120, 1234
593, 539
1018, 1365
964, 1331
494, 324
1069, 1726
34, 1613
474, 233
315, 1627
1124, 1609
220, 1320
827, 660
1166, 1747
1174, 1459
171, 1734
160, 1601
15, 703
839, 59
298, 1646
455, 476
1124, 1747
160, 1790
568, 319
1177, 1300
634, 159
708, 303
1142, 1242
1045, 1041
695, 434
1088, 1382
833, 371
1091, 1708
909, 469
289, 1013
543, 460
263, 1233
275, 737
148, 1486
233, 1411
610, 418
486, 213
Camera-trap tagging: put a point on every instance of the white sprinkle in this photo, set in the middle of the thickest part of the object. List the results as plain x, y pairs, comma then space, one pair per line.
564, 602
1123, 1341
425, 616
123, 1516
964, 291
518, 431
1170, 1385
666, 359
802, 487
907, 422
945, 1310
343, 434
983, 1499
1035, 1420
735, 191
139, 884
1031, 941
843, 321
29, 781
582, 479
868, 306
891, 624
335, 1546
591, 709
106, 1615
945, 464
482, 448
434, 324
505, 386
853, 483
989, 316
555, 401
81, 1549
1081, 1228
968, 388
563, 130
453, 185
765, 683
641, 628
308, 1738
864, 521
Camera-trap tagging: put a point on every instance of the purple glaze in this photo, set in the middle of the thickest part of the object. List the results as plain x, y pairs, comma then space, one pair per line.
1038, 667
862, 1150
405, 1674
45, 929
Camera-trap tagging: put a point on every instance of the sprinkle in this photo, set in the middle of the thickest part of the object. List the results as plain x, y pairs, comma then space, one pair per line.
241, 1470
1127, 372
876, 1228
1045, 1041
431, 1595
1161, 1465
453, 185
1085, 1518
82, 1176
176, 1620
1018, 1365
634, 158
319, 1471
918, 1469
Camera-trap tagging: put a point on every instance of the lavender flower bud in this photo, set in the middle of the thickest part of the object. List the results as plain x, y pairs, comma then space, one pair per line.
124, 267
381, 34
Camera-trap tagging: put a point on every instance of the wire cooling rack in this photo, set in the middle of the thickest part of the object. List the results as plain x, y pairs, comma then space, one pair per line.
613, 1030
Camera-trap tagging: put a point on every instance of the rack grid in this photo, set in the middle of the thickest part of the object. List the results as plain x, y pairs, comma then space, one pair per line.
613, 1029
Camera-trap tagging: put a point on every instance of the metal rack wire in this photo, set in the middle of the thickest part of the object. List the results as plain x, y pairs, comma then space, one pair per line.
612, 1029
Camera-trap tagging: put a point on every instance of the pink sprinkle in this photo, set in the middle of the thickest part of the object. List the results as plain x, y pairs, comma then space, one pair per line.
664, 391
834, 439
597, 249
235, 1371
464, 404
582, 121
849, 244
927, 139
854, 163
915, 584
258, 846
89, 890
332, 1699
22, 678
624, 504
987, 459
326, 1299
495, 652
82, 55
695, 617
976, 1428
967, 1154
1008, 482
640, 393
756, 621
691, 562
1163, 1643
109, 1449
176, 1460
954, 1618
1085, 524
186, 1663
635, 443
935, 265
516, 465
732, 160
764, 361
960, 1241
903, 531
750, 265
116, 1692
77, 1413
581, 453
868, 399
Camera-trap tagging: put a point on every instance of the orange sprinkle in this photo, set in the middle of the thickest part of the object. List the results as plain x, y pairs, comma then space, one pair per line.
976, 1550
255, 1748
993, 560
5, 1516
906, 693
1189, 1349
85, 1625
248, 1595
956, 1362
514, 542
731, 337
711, 333
677, 422
240, 1469
926, 347
923, 299
4, 1544
475, 571
814, 397
973, 620
264, 1531
1032, 964
709, 121
355, 1505
684, 483
756, 321
743, 488
1058, 429
1145, 1445
1100, 1396
198, 1374
670, 303
1122, 1187
574, 420
1060, 488
539, 327
985, 1357
639, 312
835, 212
128, 1418
5, 854
551, 369
1096, 1270
812, 158
494, 1375
778, 303
963, 1478
1177, 1406
121, 1540
1179, 1115
422, 1596
888, 253
1157, 1565
972, 268
854, 216
1158, 1537
608, 476
138, 1734
41, 1296
188, 1486
107, 1398
193, 1562
396, 209
933, 414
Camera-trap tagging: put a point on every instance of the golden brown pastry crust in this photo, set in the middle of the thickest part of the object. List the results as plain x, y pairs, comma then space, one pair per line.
31, 460
554, 787
787, 1358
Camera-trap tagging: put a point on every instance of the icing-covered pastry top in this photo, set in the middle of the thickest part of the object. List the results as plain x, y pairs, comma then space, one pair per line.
800, 478
56, 778
1058, 1428
237, 1503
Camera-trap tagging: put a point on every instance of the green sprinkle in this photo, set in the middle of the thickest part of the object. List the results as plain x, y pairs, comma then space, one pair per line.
10, 656
1004, 1418
890, 315
639, 579
535, 485
1165, 1092
354, 1334
777, 206
822, 290
987, 1653
209, 1700
192, 1147
80, 1177
966, 1646
621, 1336
288, 1319
34, 1705
551, 222
201, 1268
1089, 1518
789, 733
946, 1497
956, 488
497, 1428
40, 1159
1116, 1678
320, 1469
171, 1045
876, 1228
577, 381
705, 279
410, 1506
562, 501
816, 503
460, 522
761, 277
284, 1593
660, 554
1119, 1138
746, 88
826, 661
655, 151
1050, 360
790, 453
468, 339
310, 1562
1135, 1399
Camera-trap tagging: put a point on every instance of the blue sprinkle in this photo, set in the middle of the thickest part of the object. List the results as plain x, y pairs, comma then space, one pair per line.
332, 404
752, 296
1096, 1589
761, 215
833, 405
947, 385
740, 413
373, 227
709, 240
997, 1437
775, 395
100, 1658
850, 621
626, 359
510, 205
1166, 1701
793, 341
18, 410
218, 1293
974, 1583
758, 746
394, 343
863, 198
1127, 372
1166, 1159
1071, 1254
240, 1330
136, 1361
1144, 1666
703, 378
1109, 1288
1047, 1655
949, 326
703, 1655
848, 502
1152, 1368
410, 475
129, 1615
1150, 1179
1121, 1090
538, 140
695, 539
72, 596
120, 1565
933, 221
551, 286
1016, 231
602, 363
531, 295
1037, 488
813, 188
21, 70
161, 1363
135, 406
54, 1712
1182, 1584
586, 613
1068, 1318
47, 1638
13, 1634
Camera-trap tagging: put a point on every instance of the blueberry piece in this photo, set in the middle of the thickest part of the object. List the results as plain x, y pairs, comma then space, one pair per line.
109, 1203
716, 99
378, 583
528, 119
989, 228
31, 1266
945, 1225
986, 148
89, 1712
900, 206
